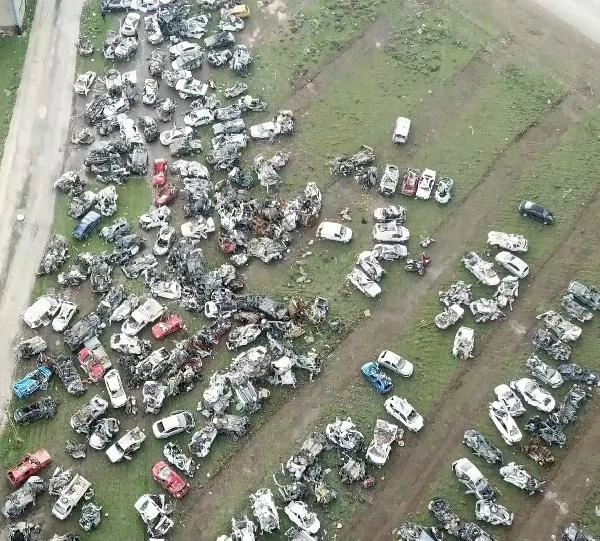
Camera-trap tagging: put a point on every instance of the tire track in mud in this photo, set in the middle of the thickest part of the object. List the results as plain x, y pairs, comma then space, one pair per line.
413, 472
275, 439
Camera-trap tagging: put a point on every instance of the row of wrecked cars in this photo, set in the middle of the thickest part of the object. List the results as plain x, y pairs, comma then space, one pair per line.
415, 183
552, 339
306, 479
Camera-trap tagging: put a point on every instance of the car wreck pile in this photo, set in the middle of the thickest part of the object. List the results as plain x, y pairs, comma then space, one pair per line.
552, 341
176, 274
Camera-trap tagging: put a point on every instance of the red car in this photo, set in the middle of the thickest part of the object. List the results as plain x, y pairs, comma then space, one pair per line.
160, 172
170, 480
91, 365
29, 465
165, 195
168, 326
410, 182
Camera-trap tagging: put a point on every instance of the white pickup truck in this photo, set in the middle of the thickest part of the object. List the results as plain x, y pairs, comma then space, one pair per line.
70, 497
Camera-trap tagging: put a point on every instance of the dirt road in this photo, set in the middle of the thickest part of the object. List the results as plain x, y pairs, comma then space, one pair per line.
33, 158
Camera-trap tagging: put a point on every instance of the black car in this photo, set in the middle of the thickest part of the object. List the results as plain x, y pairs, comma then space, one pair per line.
535, 210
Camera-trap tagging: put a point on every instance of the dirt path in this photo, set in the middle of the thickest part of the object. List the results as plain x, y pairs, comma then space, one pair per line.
32, 160
296, 418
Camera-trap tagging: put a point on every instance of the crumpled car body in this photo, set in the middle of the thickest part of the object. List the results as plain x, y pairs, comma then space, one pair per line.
264, 509
574, 372
482, 270
81, 421
345, 435
242, 336
533, 394
389, 252
84, 83
33, 381
493, 513
575, 310
511, 401
464, 341
359, 279
574, 532
516, 475
40, 313
482, 447
202, 440
562, 327
44, 408
443, 190
23, 497
473, 479
379, 449
484, 310
155, 218
391, 232
299, 514
370, 266
504, 423
547, 340
389, 180
376, 378
508, 241
104, 431
450, 316
586, 295
543, 372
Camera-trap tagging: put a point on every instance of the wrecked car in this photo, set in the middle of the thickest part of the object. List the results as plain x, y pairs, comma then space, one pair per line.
573, 532
543, 372
370, 266
28, 466
154, 510
389, 180
21, 498
104, 431
379, 381
493, 513
170, 480
384, 435
177, 422
482, 447
443, 190
35, 380
507, 241
126, 445
464, 342
299, 514
480, 268
533, 394
504, 423
450, 316
81, 421
44, 408
40, 313
26, 349
363, 283
264, 509
538, 452
548, 341
473, 479
345, 435
403, 411
146, 313
561, 327
516, 475
574, 372
202, 440
575, 310
175, 456
586, 295
511, 401
391, 232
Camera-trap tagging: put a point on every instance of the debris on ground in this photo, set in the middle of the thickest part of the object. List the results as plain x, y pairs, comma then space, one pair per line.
90, 516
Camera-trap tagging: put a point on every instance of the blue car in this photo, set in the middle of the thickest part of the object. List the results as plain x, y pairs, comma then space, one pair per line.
87, 224
32, 382
381, 382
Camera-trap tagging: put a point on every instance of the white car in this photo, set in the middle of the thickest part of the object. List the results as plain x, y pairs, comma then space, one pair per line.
181, 48
150, 91
130, 24
544, 372
363, 283
177, 422
401, 409
170, 136
508, 397
126, 445
154, 34
464, 342
299, 514
389, 181
153, 515
114, 387
164, 240
370, 266
533, 394
504, 422
383, 436
401, 129
513, 264
41, 311
426, 182
390, 232
392, 212
334, 231
480, 268
126, 344
67, 310
468, 474
389, 252
508, 241
394, 362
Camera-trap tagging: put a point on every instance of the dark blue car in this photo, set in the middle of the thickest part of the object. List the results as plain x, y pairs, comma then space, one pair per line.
87, 224
381, 382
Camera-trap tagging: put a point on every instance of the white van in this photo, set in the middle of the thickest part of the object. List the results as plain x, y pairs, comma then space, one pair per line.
401, 130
